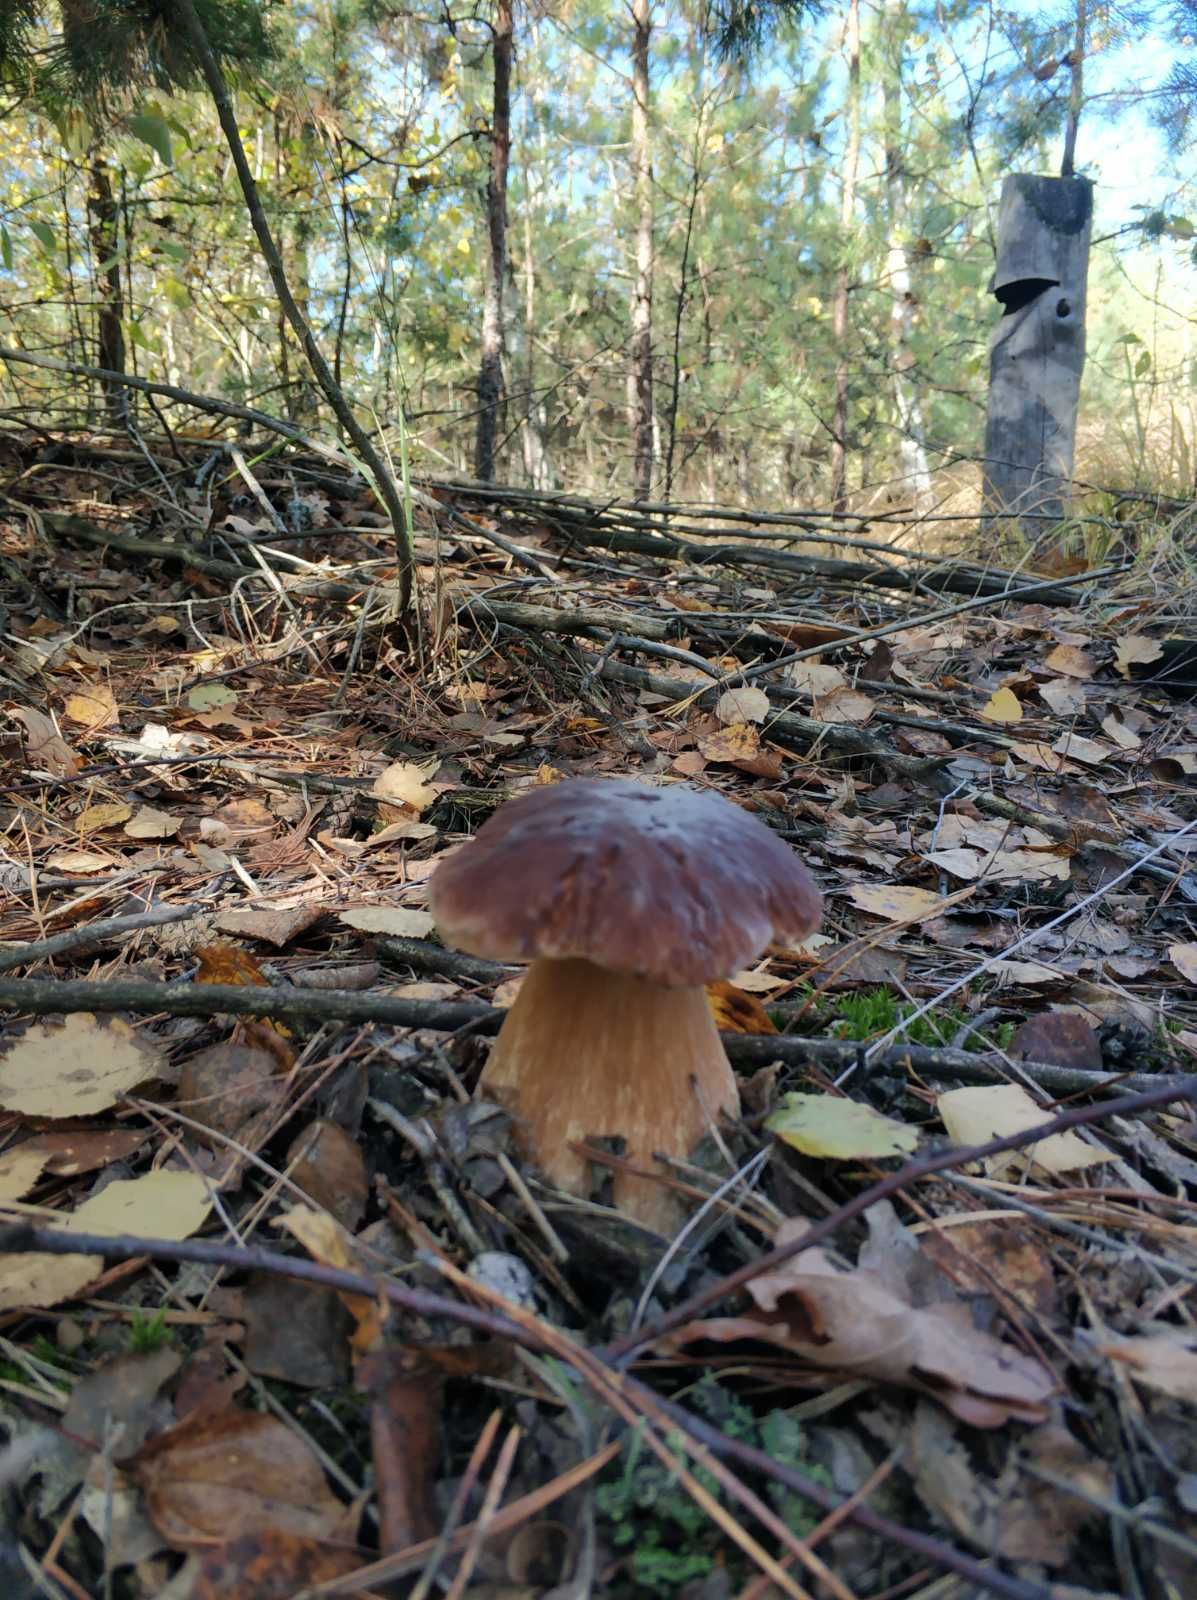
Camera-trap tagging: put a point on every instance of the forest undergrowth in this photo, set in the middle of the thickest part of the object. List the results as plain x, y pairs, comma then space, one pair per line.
284, 1310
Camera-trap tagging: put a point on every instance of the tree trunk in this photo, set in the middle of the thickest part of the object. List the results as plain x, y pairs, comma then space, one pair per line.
1076, 90
104, 237
640, 383
843, 277
490, 374
912, 448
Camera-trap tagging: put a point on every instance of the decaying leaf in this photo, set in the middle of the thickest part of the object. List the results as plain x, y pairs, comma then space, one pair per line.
974, 1116
96, 818
215, 1478
274, 925
838, 1129
76, 1069
853, 1322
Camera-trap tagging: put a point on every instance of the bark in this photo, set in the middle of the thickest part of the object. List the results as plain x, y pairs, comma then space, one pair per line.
490, 375
104, 237
640, 382
843, 280
1076, 91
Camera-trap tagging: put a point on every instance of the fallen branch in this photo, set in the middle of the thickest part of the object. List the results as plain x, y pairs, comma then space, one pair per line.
42, 997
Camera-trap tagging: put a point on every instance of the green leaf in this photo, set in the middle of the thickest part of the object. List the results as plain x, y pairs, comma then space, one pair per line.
176, 252
153, 130
139, 337
43, 233
5, 248
839, 1130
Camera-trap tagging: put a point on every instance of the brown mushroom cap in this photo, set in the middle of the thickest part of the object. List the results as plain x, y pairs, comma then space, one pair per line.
675, 885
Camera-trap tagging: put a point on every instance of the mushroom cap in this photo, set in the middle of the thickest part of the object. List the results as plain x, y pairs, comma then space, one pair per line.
674, 885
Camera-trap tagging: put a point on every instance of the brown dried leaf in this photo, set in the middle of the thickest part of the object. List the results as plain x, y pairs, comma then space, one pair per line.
851, 1321
273, 925
45, 748
272, 1565
735, 1011
213, 1479
329, 1167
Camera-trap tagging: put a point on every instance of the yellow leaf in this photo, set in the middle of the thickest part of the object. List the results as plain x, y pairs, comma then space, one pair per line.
974, 1116
94, 708
96, 818
839, 1130
164, 1205
76, 1069
897, 902
1002, 706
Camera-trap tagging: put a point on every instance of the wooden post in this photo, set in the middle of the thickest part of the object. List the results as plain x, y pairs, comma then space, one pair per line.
1037, 350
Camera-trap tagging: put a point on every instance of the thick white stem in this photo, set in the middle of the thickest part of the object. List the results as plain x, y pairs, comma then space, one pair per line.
588, 1054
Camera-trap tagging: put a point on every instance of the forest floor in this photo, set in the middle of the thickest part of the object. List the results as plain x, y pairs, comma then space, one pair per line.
331, 1333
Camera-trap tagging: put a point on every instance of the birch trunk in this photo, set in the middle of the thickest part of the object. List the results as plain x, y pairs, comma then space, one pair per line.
843, 278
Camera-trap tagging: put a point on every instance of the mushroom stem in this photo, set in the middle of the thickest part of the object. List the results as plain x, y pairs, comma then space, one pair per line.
585, 1053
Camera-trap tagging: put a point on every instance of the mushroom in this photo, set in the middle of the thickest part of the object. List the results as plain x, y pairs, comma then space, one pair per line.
627, 900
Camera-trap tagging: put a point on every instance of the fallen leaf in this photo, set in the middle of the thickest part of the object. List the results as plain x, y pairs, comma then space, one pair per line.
149, 823
161, 1205
896, 902
735, 1011
1166, 1361
211, 697
1002, 706
296, 1332
326, 1240
742, 705
1115, 728
1136, 649
329, 1167
406, 784
1184, 958
273, 925
1073, 747
94, 708
1058, 1038
1025, 972
1064, 695
232, 1090
81, 861
95, 818
837, 1129
20, 1168
393, 920
211, 1479
272, 1565
45, 748
739, 741
843, 704
75, 1069
1072, 661
852, 1321
974, 1116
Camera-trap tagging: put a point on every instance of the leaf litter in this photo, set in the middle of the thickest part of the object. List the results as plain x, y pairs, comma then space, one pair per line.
998, 804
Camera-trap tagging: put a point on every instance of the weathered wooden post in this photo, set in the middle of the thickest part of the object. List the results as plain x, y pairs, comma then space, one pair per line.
1037, 351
